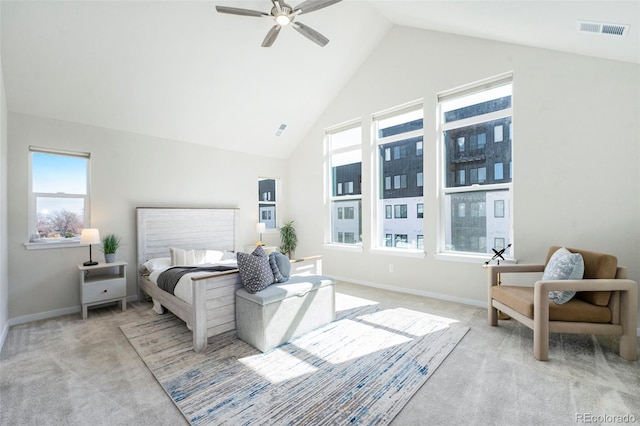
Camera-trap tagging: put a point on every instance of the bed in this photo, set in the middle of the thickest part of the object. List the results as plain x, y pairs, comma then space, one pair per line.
212, 310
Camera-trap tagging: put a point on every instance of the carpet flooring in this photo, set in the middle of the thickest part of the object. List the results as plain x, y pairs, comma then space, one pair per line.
361, 369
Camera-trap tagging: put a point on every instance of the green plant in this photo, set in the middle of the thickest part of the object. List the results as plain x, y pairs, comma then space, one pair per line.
110, 244
289, 238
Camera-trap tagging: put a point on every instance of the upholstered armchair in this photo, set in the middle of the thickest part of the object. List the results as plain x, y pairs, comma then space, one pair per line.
605, 302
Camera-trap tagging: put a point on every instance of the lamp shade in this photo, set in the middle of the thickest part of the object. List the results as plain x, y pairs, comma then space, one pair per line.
90, 236
261, 227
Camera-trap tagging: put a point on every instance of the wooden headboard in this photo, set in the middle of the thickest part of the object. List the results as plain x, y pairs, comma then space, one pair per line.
187, 228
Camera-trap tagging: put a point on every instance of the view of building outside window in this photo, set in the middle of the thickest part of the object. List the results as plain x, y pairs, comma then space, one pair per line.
59, 196
477, 145
345, 174
399, 141
267, 202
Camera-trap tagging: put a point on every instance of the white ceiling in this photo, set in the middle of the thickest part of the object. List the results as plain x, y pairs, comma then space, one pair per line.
181, 71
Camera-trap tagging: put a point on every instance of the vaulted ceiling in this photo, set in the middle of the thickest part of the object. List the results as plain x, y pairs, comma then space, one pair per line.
181, 71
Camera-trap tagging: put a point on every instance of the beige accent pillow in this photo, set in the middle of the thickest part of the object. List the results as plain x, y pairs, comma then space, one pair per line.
182, 257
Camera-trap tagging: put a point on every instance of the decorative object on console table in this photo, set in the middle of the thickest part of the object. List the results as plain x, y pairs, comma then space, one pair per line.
497, 255
110, 246
90, 236
289, 239
261, 227
100, 284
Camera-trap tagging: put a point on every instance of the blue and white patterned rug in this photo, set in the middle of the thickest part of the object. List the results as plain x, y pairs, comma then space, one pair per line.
361, 369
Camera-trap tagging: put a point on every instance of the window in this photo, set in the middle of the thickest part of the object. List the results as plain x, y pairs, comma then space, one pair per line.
388, 240
267, 199
400, 211
402, 241
498, 208
398, 133
387, 212
420, 242
420, 211
483, 114
343, 159
59, 196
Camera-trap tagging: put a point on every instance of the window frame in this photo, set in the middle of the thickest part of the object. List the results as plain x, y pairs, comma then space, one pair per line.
33, 197
470, 186
378, 244
329, 197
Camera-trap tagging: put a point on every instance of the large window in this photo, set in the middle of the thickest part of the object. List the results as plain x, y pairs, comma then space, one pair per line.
476, 144
344, 169
399, 175
267, 202
58, 196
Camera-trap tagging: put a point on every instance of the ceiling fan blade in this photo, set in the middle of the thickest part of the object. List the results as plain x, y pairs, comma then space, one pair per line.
310, 33
311, 5
271, 36
238, 11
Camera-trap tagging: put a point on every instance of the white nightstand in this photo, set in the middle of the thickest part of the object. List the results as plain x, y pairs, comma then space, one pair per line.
103, 283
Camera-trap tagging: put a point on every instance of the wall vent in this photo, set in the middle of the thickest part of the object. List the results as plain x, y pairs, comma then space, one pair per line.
619, 30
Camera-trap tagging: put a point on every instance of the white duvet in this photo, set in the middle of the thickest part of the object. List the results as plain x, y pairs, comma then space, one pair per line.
183, 288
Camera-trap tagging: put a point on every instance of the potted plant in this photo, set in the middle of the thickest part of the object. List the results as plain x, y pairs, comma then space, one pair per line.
289, 239
110, 245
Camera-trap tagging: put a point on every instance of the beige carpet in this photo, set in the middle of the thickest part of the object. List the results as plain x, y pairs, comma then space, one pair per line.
66, 371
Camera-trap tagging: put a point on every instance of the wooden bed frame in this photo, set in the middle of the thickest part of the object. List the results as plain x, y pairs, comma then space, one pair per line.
213, 296
213, 310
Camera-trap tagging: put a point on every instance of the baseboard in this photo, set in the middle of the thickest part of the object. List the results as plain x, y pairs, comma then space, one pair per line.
3, 336
44, 315
404, 290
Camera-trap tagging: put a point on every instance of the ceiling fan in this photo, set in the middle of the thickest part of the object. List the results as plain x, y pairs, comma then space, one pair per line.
285, 15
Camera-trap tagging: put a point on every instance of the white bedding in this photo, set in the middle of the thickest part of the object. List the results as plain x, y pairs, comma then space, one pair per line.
183, 288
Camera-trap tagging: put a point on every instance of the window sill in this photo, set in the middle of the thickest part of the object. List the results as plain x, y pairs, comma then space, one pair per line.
471, 258
418, 254
344, 247
52, 245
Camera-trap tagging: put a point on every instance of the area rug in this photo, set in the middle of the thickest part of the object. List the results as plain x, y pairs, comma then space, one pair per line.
360, 369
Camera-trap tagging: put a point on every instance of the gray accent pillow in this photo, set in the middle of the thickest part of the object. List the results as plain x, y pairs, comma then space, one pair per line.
563, 265
280, 265
255, 270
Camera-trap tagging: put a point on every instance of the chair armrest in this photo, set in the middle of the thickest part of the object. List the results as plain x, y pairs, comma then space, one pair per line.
494, 270
585, 285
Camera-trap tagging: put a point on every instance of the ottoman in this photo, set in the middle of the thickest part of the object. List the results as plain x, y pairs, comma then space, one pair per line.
282, 311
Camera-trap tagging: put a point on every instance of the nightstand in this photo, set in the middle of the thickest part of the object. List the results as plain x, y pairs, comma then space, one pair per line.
103, 283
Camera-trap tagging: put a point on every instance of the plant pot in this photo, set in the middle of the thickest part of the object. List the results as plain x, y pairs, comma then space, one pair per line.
110, 257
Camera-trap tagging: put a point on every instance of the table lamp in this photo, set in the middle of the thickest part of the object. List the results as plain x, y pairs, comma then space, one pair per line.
260, 228
90, 236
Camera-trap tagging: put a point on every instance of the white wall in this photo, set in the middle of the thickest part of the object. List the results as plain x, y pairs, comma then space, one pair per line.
576, 156
127, 171
4, 275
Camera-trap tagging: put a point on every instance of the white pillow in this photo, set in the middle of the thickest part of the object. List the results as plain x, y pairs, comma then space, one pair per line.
157, 263
184, 257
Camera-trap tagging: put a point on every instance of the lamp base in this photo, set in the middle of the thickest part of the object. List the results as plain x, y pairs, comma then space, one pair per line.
90, 263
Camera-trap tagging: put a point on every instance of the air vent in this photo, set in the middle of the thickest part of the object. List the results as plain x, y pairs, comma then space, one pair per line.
620, 30
281, 129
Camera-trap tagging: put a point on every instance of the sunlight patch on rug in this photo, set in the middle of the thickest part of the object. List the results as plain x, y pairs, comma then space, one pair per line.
360, 369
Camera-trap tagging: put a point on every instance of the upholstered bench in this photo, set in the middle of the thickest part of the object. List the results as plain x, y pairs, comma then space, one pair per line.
280, 312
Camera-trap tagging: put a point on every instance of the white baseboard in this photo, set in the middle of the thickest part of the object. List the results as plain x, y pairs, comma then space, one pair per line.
44, 315
432, 295
3, 336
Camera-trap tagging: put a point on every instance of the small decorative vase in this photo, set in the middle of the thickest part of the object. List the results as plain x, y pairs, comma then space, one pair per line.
110, 257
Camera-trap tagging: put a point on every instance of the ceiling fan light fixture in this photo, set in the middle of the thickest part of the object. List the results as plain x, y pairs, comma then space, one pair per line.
283, 20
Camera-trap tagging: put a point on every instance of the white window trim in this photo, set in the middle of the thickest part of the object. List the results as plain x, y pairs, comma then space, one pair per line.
32, 218
441, 253
328, 193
